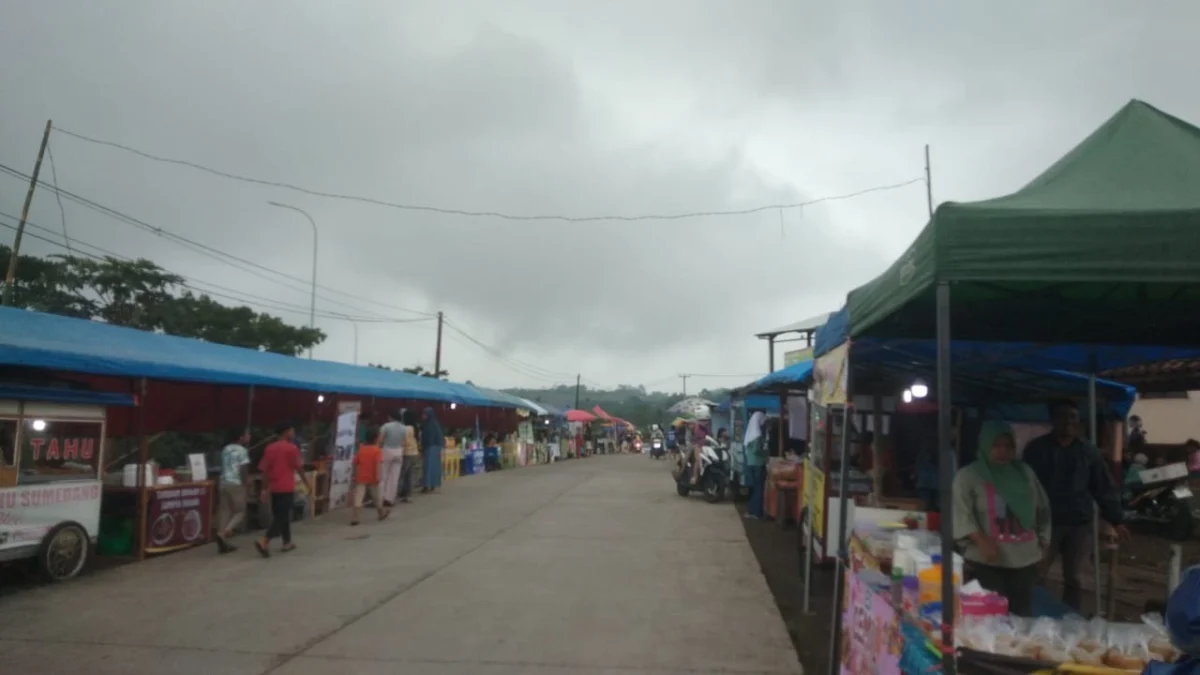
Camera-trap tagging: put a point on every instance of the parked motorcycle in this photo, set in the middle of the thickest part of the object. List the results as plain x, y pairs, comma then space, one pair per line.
714, 472
1161, 501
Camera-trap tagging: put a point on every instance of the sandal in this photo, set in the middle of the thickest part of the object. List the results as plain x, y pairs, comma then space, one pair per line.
262, 547
288, 548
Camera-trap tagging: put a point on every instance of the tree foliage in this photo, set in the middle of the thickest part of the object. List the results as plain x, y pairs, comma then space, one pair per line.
140, 294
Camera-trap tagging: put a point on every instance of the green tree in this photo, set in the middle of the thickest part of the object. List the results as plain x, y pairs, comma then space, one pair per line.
140, 294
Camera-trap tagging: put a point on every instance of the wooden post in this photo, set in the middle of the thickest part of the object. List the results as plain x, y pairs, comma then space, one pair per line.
10, 276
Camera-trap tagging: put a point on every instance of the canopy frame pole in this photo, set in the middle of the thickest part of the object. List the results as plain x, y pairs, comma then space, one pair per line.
945, 473
143, 460
1094, 437
839, 582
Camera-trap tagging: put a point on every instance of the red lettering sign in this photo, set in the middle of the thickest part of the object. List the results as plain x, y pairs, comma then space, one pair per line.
53, 452
37, 444
70, 448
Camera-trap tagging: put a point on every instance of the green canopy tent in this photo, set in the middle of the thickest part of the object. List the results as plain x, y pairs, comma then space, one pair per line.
1102, 247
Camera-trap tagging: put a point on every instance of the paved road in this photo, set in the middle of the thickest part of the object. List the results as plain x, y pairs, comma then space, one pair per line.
586, 567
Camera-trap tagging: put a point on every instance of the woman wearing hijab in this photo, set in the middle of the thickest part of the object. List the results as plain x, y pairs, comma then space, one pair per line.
756, 464
432, 442
1001, 518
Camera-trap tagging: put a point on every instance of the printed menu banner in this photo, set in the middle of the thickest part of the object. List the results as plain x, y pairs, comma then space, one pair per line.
345, 445
177, 517
28, 513
871, 639
814, 497
831, 374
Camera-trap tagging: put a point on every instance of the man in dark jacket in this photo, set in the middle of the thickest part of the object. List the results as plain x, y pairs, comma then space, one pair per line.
1075, 477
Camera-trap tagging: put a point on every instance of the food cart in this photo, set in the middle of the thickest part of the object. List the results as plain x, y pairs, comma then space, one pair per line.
51, 458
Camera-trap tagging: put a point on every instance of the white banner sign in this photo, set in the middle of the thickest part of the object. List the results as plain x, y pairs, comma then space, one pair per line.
29, 512
346, 443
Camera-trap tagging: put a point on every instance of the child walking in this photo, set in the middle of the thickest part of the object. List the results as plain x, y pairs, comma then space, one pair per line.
368, 469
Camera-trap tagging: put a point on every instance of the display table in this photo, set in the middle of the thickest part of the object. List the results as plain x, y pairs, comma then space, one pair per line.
177, 516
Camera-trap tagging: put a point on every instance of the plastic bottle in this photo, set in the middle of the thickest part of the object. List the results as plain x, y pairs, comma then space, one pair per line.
930, 581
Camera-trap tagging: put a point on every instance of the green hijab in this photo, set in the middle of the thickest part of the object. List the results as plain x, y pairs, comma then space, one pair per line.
1010, 480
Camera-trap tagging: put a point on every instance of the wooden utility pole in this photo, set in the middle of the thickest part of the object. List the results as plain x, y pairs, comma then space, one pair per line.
11, 275
437, 357
578, 379
684, 378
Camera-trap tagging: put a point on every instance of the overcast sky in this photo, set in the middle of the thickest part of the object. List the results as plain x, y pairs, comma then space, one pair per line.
571, 107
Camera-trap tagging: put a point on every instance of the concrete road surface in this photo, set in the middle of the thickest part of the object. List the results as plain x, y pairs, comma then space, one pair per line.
586, 567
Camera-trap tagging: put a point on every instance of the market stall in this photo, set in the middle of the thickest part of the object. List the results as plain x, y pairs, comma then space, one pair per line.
1076, 254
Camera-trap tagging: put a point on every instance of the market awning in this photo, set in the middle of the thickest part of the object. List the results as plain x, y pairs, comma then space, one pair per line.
579, 416
801, 326
38, 340
794, 377
1102, 247
599, 412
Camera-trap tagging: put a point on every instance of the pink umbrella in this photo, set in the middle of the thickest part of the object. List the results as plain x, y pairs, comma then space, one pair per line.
579, 416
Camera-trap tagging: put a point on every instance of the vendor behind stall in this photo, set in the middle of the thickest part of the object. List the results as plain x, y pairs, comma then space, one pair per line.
1074, 474
1001, 518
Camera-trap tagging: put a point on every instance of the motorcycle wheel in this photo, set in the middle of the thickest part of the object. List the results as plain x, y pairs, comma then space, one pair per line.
715, 489
682, 489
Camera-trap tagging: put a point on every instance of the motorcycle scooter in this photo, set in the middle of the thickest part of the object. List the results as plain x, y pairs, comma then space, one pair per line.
714, 472
1162, 501
658, 449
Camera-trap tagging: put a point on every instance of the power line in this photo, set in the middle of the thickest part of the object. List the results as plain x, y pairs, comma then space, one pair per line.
484, 214
516, 365
499, 354
209, 251
61, 211
191, 283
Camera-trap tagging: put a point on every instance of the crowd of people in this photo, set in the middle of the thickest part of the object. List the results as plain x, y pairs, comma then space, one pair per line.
384, 470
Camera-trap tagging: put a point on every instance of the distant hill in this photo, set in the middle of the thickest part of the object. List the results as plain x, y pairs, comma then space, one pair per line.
627, 402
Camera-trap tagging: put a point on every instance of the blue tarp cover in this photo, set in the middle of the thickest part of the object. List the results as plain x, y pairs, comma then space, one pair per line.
78, 345
796, 375
1025, 355
21, 392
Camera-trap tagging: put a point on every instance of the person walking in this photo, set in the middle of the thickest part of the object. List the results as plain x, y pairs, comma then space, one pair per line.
235, 485
281, 465
411, 455
432, 442
368, 466
756, 464
391, 439
1002, 518
1074, 475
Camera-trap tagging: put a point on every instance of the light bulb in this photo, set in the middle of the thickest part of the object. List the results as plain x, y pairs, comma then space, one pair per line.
919, 390
320, 398
908, 396
39, 425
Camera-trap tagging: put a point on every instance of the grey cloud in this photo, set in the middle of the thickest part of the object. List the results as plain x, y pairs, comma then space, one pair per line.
566, 107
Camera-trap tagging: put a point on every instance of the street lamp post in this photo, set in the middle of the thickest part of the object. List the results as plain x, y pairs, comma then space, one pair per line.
355, 325
312, 307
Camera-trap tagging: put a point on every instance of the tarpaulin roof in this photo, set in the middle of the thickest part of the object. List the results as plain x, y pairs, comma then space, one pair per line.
795, 376
579, 416
20, 392
767, 403
502, 399
599, 412
77, 345
1103, 247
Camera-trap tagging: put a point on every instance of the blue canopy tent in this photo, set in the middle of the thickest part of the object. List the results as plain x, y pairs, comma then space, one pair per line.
33, 339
